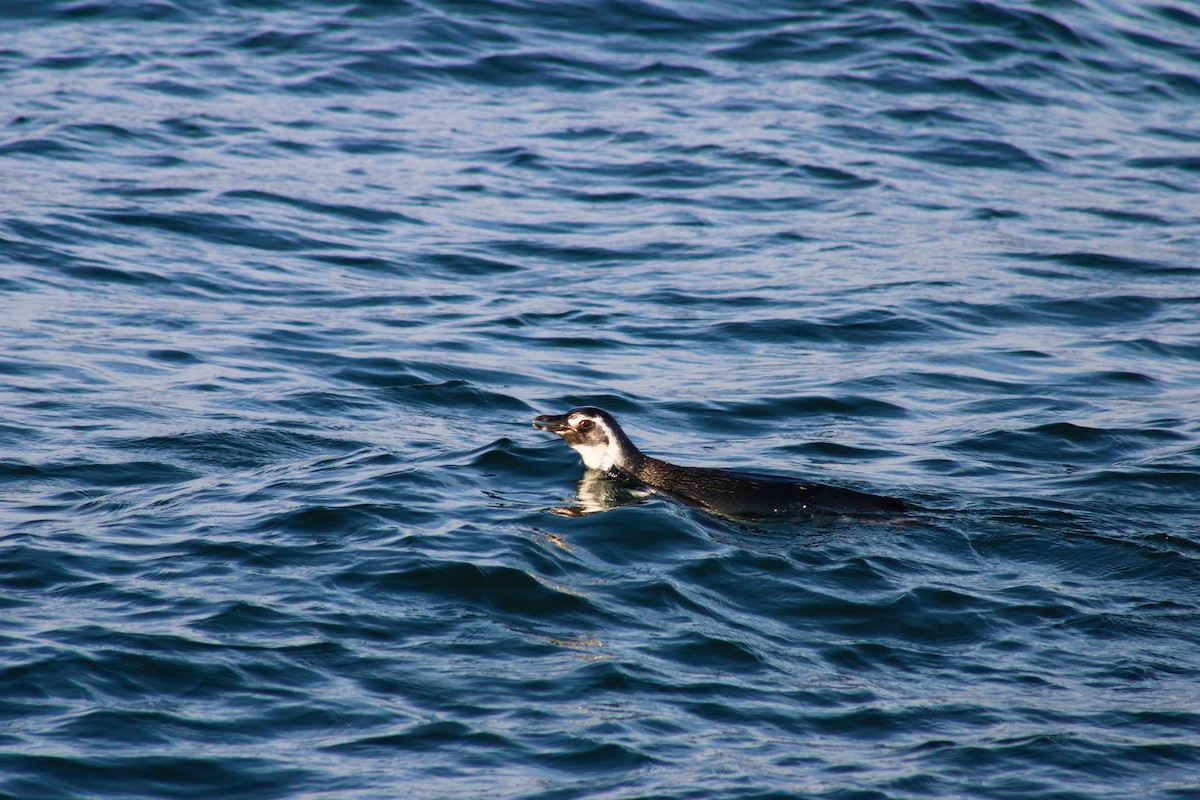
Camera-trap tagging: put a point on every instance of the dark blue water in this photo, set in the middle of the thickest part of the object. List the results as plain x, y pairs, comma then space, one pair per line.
283, 284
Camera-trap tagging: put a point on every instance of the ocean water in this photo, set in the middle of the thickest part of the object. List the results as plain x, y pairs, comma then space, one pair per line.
283, 284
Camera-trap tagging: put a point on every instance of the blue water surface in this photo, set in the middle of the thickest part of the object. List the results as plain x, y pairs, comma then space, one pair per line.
284, 283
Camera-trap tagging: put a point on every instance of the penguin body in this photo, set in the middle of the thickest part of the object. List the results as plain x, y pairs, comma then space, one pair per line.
603, 445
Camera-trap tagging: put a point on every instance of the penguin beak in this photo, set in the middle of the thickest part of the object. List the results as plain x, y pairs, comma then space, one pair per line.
554, 423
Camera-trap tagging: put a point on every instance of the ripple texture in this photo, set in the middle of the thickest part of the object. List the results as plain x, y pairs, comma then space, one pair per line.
285, 283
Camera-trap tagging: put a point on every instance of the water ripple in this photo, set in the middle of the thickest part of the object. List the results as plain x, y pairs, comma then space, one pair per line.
287, 283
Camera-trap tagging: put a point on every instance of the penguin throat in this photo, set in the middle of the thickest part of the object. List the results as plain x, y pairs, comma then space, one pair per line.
598, 456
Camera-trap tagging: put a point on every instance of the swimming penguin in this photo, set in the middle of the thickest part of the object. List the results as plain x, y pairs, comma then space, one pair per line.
599, 440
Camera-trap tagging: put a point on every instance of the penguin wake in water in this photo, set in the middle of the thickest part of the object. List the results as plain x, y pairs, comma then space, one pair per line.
599, 440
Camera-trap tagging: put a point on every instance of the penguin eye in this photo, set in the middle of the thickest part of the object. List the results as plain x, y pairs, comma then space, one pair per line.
584, 425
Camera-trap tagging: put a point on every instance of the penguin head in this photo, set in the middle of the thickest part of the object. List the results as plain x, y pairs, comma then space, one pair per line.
592, 433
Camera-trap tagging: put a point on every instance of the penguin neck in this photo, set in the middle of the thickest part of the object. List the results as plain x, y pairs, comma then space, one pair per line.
645, 469
620, 456
633, 463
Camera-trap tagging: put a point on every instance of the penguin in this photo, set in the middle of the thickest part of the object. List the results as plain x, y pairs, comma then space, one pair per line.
604, 446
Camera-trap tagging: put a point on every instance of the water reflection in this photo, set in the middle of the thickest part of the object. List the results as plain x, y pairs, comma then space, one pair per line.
597, 492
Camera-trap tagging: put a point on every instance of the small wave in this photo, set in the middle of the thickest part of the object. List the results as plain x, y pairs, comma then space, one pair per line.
235, 230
